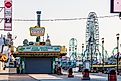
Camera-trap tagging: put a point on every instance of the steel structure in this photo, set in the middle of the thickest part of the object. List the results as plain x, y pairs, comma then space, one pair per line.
92, 37
73, 49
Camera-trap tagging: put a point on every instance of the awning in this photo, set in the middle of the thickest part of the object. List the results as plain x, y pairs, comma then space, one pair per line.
37, 54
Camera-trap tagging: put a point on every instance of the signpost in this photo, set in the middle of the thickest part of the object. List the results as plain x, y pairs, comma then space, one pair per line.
115, 7
8, 15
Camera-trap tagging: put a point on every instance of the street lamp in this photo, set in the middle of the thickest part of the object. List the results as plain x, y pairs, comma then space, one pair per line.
117, 35
103, 53
82, 52
91, 55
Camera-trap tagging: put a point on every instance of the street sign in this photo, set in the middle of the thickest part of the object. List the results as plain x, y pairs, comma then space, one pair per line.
115, 6
37, 31
8, 4
8, 15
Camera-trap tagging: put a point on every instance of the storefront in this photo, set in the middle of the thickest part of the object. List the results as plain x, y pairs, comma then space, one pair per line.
38, 65
38, 59
39, 56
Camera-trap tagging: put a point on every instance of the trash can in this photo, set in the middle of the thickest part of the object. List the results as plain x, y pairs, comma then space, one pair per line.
85, 74
112, 76
59, 71
70, 72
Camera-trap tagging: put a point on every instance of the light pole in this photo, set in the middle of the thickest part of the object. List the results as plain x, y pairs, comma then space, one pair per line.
82, 52
103, 54
91, 55
117, 35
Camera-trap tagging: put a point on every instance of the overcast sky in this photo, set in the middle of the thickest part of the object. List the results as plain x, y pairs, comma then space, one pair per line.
60, 32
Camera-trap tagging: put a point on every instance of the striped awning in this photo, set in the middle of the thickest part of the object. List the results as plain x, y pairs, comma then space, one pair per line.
37, 54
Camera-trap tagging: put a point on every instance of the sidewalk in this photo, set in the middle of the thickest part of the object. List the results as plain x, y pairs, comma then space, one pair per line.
4, 75
4, 71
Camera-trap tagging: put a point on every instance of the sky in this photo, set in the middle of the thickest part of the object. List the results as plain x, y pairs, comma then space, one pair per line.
60, 32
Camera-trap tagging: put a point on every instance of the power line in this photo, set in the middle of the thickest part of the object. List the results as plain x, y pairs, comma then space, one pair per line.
64, 19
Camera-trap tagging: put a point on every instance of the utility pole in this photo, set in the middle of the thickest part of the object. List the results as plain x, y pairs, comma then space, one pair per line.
82, 53
38, 18
91, 56
103, 54
38, 24
117, 51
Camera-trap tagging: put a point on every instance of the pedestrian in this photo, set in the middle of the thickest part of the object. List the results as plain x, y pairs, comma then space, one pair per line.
17, 67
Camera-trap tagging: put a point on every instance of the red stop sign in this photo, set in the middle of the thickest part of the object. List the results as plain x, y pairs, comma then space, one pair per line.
8, 4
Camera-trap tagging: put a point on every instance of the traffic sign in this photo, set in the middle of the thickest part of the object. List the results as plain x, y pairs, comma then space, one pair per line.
8, 4
8, 15
115, 6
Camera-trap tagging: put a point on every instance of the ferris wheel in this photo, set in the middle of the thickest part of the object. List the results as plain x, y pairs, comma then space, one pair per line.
92, 37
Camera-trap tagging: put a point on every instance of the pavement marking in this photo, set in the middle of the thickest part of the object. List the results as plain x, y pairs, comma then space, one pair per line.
3, 75
98, 77
43, 76
94, 77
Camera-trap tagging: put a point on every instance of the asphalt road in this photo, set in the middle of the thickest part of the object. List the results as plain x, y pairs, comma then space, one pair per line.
11, 76
21, 77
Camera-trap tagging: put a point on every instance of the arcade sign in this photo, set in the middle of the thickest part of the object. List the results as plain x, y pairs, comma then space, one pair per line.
8, 15
39, 49
37, 31
115, 6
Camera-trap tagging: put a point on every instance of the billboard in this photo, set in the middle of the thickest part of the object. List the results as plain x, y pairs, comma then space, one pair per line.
8, 15
115, 6
37, 31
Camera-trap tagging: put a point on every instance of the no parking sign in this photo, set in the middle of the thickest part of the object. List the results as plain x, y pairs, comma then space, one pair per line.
8, 15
